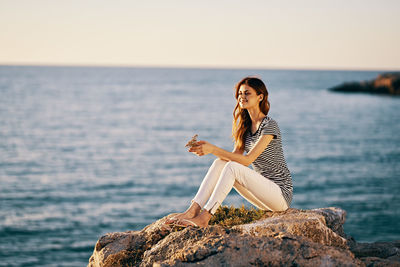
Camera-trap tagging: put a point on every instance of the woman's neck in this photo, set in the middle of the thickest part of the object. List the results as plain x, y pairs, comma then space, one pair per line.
255, 115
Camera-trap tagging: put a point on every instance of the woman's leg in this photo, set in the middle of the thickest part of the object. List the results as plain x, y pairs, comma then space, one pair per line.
209, 182
246, 194
252, 185
253, 199
203, 194
259, 190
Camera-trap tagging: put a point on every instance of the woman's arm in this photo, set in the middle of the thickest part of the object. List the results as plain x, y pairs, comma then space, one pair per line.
203, 148
236, 151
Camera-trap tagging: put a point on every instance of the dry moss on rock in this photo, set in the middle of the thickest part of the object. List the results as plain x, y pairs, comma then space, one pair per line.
230, 216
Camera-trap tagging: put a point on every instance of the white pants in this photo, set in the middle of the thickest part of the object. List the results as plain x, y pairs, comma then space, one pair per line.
223, 175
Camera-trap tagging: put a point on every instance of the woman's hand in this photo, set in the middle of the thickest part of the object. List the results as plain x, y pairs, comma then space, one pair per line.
202, 148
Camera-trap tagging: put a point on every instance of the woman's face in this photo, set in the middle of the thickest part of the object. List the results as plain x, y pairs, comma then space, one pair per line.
247, 97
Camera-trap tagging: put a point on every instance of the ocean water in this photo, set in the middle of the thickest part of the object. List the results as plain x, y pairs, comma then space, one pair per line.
89, 150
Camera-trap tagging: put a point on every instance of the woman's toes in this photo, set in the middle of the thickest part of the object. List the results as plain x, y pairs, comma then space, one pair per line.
177, 217
171, 219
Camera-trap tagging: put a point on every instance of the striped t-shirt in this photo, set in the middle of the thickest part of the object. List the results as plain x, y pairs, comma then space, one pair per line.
271, 162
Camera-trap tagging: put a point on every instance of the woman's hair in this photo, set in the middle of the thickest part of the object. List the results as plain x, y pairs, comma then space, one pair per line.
241, 118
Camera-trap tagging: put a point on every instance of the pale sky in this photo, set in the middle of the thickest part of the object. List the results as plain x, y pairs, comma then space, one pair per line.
308, 34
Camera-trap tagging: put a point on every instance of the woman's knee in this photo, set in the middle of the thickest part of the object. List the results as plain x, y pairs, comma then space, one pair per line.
219, 161
232, 165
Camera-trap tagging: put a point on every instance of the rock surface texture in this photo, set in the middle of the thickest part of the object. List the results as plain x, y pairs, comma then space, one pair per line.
386, 83
290, 238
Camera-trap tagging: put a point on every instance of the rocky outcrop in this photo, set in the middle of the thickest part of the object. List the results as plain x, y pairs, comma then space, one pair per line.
386, 83
294, 237
378, 253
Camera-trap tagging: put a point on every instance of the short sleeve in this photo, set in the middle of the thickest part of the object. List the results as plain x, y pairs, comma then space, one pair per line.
271, 127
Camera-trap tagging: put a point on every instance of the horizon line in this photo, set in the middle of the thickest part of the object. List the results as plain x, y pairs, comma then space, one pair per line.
182, 66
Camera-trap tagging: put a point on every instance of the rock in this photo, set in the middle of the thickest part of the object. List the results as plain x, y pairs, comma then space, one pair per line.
311, 225
123, 248
294, 237
215, 246
386, 83
378, 253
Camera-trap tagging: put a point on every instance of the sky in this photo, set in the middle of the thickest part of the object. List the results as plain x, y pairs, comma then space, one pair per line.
308, 34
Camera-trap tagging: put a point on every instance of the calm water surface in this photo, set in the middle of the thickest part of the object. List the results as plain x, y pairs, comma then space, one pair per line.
85, 151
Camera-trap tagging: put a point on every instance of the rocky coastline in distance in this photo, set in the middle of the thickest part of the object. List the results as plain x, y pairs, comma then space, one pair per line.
291, 238
386, 83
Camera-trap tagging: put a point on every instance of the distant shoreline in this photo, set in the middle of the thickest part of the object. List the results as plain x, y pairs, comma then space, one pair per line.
385, 84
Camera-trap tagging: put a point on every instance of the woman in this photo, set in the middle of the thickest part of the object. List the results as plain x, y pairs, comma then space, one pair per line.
268, 185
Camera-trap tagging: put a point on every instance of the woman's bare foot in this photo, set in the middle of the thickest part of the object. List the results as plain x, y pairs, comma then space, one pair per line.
190, 213
179, 216
200, 220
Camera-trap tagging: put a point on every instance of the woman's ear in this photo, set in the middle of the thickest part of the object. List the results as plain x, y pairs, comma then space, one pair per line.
261, 97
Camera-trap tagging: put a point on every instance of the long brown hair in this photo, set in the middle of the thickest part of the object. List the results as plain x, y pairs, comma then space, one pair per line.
241, 118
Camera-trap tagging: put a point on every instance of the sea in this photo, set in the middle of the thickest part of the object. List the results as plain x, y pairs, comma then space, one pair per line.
85, 151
